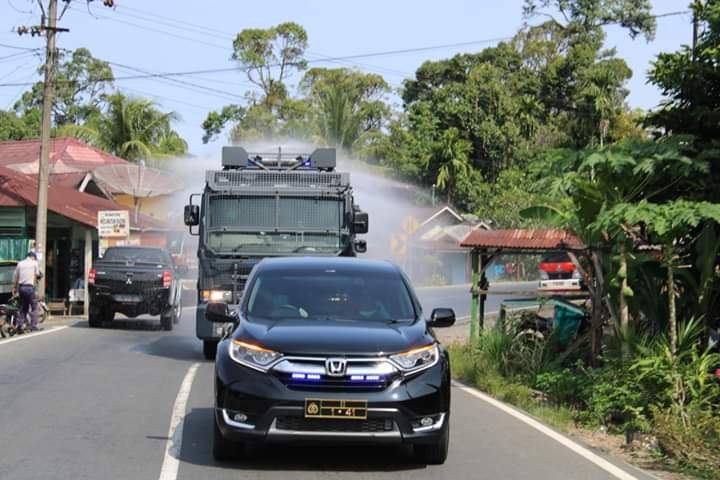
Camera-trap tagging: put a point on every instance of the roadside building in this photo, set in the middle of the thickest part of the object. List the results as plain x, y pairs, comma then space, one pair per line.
437, 241
72, 227
76, 165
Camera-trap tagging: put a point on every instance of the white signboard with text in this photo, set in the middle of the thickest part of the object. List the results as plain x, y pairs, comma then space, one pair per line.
113, 224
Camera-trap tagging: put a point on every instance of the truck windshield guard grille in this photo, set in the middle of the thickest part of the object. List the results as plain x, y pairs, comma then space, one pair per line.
283, 213
258, 179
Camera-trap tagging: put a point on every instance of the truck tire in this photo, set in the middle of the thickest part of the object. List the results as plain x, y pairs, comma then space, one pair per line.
209, 349
95, 317
167, 319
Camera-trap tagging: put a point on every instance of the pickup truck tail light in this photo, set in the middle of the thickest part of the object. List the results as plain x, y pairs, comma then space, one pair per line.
91, 276
167, 279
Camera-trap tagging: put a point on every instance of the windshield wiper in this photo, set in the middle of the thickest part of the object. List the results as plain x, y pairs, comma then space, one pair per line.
398, 320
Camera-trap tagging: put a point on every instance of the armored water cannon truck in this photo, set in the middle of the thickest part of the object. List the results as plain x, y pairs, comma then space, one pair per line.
267, 205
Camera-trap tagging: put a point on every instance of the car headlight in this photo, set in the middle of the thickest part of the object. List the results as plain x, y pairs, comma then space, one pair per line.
252, 356
417, 359
217, 296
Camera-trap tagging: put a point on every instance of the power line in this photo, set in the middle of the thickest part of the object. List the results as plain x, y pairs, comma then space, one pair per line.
225, 95
347, 57
170, 34
15, 47
220, 35
181, 22
17, 56
16, 69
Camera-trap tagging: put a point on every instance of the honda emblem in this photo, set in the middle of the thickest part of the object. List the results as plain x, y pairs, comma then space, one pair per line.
336, 367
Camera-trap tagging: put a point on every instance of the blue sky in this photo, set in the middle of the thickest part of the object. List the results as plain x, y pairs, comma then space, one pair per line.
146, 35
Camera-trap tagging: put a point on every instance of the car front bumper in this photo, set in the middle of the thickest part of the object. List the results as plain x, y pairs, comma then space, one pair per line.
273, 412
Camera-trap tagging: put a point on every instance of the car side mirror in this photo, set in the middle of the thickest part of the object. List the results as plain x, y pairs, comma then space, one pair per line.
192, 215
442, 317
361, 222
219, 312
360, 246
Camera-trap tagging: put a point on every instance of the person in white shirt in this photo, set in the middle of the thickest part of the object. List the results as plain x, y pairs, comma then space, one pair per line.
27, 272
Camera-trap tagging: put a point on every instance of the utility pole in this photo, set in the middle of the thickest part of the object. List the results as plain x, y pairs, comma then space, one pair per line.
696, 27
50, 26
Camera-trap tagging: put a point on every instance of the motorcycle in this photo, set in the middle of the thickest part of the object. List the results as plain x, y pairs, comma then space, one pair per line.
10, 315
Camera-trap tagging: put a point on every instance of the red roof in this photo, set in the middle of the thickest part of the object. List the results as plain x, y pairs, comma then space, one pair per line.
17, 190
67, 155
534, 239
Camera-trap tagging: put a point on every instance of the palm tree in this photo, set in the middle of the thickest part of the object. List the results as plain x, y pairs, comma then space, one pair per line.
134, 129
453, 151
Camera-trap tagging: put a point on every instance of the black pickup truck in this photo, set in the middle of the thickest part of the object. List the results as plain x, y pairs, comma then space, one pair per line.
135, 281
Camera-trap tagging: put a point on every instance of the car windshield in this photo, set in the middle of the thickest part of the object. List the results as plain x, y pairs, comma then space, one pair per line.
135, 255
330, 294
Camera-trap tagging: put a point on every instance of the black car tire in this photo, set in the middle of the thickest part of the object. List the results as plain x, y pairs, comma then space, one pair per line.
210, 349
224, 449
167, 319
436, 453
95, 317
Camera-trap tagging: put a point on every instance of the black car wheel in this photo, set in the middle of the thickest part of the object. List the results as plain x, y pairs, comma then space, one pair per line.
224, 449
167, 319
436, 453
95, 317
210, 349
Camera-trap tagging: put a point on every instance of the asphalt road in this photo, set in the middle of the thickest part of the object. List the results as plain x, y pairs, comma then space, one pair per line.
458, 297
97, 403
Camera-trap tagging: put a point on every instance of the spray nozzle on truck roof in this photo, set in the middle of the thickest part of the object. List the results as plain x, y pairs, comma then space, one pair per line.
237, 158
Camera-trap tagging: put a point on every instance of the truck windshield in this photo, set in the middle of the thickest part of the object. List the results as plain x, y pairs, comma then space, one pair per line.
264, 224
135, 255
330, 295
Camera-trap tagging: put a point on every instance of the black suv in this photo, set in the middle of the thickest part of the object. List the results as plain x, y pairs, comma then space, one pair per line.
331, 350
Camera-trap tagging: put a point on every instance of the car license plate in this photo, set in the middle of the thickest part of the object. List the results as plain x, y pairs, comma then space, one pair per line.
127, 298
348, 409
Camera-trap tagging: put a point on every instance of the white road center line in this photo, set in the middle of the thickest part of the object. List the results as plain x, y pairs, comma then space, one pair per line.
171, 461
561, 439
28, 336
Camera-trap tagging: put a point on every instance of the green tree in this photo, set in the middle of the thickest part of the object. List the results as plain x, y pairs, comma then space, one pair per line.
268, 57
81, 82
671, 225
348, 106
135, 129
19, 127
689, 80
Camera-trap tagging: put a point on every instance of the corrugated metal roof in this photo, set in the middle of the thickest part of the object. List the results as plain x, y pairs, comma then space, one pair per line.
18, 190
533, 239
137, 181
67, 155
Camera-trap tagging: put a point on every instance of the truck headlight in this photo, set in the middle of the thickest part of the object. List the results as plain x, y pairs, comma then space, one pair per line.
252, 356
417, 359
217, 296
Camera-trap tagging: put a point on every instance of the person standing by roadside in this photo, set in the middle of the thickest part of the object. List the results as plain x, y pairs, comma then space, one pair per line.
27, 272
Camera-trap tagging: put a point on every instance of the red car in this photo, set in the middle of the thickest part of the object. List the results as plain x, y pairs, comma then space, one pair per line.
558, 273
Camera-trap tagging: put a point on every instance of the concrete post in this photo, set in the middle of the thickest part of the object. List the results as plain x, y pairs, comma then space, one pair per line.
86, 274
474, 259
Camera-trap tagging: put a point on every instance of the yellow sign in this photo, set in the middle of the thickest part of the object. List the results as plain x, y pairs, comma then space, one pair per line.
398, 244
410, 225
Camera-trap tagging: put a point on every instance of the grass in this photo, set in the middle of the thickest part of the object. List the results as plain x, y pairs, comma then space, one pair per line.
468, 368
